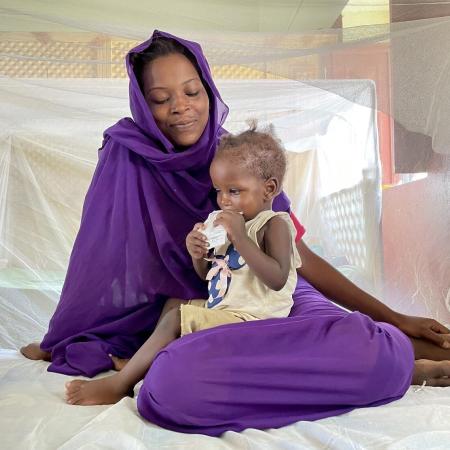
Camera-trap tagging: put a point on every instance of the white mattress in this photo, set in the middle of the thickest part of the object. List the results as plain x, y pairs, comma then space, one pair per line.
33, 414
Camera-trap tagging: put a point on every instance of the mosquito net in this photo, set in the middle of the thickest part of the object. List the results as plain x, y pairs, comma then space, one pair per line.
358, 93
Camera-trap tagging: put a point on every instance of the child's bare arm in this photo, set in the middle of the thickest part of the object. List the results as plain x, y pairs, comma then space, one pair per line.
197, 247
278, 245
201, 266
272, 266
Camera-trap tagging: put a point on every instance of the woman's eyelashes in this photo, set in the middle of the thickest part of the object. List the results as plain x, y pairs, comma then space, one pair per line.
161, 101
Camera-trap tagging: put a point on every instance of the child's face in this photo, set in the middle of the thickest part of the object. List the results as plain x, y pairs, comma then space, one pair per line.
238, 189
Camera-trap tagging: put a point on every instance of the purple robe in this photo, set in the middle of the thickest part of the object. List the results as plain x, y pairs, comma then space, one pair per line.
129, 256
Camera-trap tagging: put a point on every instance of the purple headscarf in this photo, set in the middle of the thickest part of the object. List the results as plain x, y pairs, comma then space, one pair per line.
130, 253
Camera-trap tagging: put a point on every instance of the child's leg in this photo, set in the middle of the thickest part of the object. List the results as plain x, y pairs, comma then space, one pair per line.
120, 363
111, 389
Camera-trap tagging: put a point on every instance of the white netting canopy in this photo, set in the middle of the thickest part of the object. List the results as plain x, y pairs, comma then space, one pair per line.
362, 111
357, 90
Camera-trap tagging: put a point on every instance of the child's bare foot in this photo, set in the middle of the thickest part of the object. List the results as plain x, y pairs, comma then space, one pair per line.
34, 351
104, 391
119, 363
435, 373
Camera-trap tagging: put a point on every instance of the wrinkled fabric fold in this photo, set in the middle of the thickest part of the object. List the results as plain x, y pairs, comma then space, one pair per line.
321, 361
130, 253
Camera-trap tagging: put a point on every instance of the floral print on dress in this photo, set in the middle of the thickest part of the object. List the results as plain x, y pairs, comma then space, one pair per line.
219, 276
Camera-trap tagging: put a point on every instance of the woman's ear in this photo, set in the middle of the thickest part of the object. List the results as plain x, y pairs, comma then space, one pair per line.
271, 188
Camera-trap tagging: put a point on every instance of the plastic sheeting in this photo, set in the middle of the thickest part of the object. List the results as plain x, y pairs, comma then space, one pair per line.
337, 132
48, 168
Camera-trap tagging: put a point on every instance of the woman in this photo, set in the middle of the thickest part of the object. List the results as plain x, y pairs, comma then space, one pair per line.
150, 186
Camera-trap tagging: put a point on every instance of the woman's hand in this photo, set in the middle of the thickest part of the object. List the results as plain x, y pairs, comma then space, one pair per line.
421, 327
234, 224
196, 242
334, 285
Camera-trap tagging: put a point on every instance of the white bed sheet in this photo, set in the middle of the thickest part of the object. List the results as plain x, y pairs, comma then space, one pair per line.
33, 414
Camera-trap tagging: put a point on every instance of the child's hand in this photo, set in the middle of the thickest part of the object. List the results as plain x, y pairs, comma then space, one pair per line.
196, 242
234, 224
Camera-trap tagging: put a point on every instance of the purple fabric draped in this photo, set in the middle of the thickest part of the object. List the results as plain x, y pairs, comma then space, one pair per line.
319, 362
129, 256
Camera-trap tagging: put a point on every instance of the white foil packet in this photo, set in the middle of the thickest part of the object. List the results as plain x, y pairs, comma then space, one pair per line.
216, 236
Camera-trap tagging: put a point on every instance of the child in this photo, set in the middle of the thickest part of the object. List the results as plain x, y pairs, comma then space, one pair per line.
252, 276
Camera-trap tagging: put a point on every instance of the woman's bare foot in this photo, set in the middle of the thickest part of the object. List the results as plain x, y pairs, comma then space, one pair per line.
34, 351
119, 363
104, 391
435, 373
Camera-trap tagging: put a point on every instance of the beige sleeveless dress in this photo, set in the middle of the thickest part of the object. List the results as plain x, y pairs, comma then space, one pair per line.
236, 293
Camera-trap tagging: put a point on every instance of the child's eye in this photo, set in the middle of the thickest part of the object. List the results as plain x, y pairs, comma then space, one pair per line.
192, 94
235, 191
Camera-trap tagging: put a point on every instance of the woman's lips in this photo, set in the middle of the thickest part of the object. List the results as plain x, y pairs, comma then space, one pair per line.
182, 126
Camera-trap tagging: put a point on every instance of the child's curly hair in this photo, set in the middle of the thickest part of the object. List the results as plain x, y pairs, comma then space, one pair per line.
260, 152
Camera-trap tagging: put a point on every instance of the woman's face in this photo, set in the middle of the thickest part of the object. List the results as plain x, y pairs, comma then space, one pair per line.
176, 98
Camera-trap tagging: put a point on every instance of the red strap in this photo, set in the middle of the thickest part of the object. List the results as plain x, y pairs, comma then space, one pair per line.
298, 226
